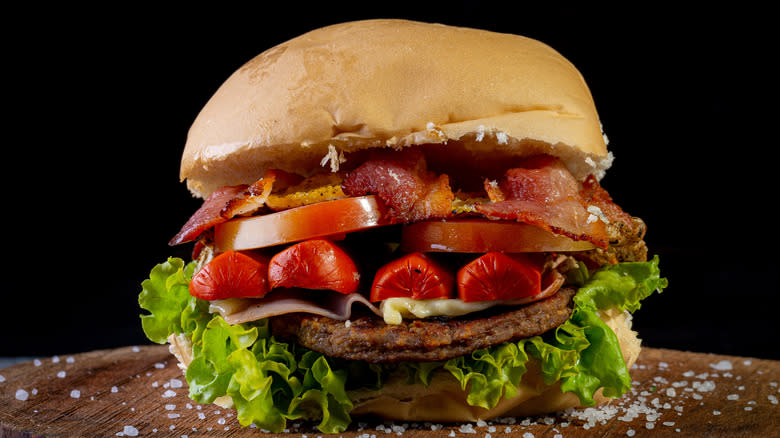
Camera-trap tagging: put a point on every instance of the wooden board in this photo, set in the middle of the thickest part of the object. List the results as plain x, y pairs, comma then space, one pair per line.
139, 391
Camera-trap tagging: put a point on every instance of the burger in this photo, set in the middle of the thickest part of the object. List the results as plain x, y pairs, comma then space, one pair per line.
403, 220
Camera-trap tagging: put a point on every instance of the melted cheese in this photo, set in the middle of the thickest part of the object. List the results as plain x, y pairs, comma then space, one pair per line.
394, 310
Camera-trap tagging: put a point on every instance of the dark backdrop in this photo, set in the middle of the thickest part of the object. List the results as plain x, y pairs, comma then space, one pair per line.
101, 100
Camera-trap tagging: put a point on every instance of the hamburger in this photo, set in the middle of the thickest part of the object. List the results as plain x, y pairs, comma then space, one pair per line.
404, 220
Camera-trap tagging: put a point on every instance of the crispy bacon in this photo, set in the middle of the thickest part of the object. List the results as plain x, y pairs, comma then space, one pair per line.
208, 214
402, 180
228, 202
545, 194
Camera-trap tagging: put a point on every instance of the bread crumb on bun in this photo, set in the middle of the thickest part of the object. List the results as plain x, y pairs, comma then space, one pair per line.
392, 83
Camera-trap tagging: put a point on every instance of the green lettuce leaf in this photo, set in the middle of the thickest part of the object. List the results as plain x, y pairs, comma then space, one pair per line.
165, 294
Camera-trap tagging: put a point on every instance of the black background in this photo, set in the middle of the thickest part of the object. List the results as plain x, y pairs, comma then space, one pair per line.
100, 102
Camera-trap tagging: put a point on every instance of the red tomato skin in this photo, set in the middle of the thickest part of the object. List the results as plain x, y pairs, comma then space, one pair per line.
414, 276
498, 276
231, 274
314, 264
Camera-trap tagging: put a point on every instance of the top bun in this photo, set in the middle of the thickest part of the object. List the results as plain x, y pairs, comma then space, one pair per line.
392, 83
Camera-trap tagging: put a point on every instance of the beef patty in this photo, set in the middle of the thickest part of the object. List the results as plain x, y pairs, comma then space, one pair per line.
369, 339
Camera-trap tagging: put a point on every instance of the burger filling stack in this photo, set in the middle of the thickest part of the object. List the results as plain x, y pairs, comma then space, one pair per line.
405, 220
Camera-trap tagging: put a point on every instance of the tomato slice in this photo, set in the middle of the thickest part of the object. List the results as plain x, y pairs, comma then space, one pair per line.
231, 274
481, 235
301, 223
499, 276
415, 276
314, 264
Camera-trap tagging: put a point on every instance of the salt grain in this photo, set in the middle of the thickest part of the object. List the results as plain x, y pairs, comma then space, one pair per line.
715, 412
174, 415
723, 365
114, 389
528, 435
201, 416
61, 374
630, 432
55, 359
75, 393
170, 407
37, 362
168, 394
732, 397
176, 383
70, 359
2, 378
22, 395
130, 431
159, 366
772, 399
136, 349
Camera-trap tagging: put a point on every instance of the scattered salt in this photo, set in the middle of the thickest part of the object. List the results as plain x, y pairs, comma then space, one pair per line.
715, 412
114, 389
159, 366
748, 362
748, 408
174, 415
37, 362
528, 435
170, 407
130, 431
61, 374
733, 397
630, 432
75, 393
22, 395
723, 365
2, 378
70, 359
467, 428
168, 394
136, 349
201, 416
55, 359
176, 383
772, 399
221, 421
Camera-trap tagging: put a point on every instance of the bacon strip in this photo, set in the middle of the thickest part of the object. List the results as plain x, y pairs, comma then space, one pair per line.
401, 179
544, 193
208, 214
226, 203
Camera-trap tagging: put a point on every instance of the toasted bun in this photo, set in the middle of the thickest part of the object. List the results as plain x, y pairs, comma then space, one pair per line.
392, 83
443, 400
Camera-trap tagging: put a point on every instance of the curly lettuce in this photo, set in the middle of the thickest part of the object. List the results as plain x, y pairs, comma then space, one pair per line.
271, 382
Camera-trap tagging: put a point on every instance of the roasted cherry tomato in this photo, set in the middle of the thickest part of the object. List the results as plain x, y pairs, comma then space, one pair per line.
231, 274
314, 264
498, 276
415, 276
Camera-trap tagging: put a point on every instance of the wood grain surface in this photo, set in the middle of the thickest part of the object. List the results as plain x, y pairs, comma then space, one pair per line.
139, 391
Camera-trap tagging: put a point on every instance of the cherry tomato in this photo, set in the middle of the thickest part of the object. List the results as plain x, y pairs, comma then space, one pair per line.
314, 264
414, 275
231, 274
296, 224
481, 235
498, 276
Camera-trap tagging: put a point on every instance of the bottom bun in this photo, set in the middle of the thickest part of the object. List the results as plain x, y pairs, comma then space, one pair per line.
444, 400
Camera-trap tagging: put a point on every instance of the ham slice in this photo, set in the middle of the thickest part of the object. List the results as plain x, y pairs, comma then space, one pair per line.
544, 193
332, 305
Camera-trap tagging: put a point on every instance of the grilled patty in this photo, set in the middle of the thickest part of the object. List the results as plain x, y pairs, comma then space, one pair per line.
369, 339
